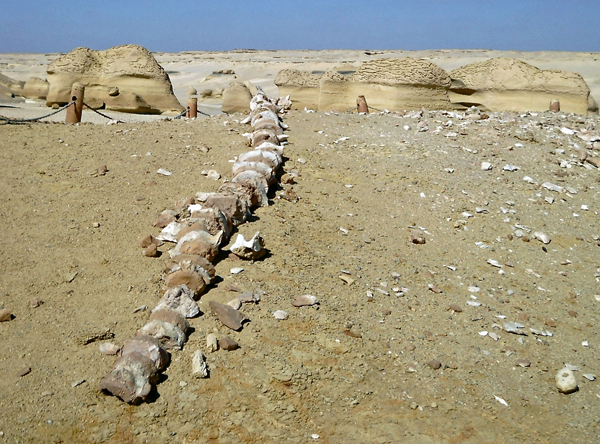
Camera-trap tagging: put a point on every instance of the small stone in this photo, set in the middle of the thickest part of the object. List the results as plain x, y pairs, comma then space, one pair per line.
151, 251
35, 303
550, 322
211, 343
280, 314
486, 166
5, 315
434, 364
109, 349
226, 343
71, 276
212, 174
417, 237
523, 317
523, 362
148, 240
456, 308
24, 371
235, 303
410, 348
199, 368
565, 381
304, 300
572, 313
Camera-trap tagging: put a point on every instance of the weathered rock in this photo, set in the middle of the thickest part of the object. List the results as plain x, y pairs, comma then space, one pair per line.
151, 251
211, 343
144, 86
199, 367
236, 98
169, 335
109, 349
227, 315
184, 261
304, 300
35, 88
565, 381
505, 84
417, 237
5, 315
434, 364
226, 343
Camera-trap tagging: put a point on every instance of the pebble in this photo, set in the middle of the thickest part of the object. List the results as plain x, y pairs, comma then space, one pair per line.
226, 343
236, 270
235, 303
24, 371
486, 166
109, 349
456, 308
565, 381
434, 364
304, 300
5, 315
280, 314
417, 237
151, 251
523, 362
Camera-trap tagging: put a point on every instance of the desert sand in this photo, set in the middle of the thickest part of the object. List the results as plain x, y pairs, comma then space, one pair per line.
409, 341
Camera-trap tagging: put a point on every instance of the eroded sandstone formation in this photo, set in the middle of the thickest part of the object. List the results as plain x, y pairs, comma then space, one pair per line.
394, 84
124, 78
505, 84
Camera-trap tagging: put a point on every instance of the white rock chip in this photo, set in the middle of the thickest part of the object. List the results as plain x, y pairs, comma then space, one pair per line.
211, 343
280, 314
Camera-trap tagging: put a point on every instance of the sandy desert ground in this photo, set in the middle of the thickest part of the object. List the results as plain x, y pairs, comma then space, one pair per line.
362, 365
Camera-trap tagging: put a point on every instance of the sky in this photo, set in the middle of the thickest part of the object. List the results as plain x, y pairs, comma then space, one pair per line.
34, 26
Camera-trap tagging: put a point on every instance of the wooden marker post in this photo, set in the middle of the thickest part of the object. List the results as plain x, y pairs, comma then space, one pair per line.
192, 107
74, 111
554, 105
361, 104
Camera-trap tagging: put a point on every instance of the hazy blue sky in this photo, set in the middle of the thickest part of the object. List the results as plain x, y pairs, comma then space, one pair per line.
186, 25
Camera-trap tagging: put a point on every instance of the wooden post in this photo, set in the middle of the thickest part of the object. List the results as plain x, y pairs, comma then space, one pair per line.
192, 107
554, 105
361, 104
74, 111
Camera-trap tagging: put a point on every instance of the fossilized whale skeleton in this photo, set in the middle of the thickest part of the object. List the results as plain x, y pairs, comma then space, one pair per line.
209, 220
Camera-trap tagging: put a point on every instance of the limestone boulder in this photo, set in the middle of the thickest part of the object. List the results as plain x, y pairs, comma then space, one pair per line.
35, 88
124, 78
236, 98
506, 84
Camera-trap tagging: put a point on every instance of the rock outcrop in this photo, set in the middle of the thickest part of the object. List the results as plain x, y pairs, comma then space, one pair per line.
236, 98
505, 84
303, 87
394, 84
124, 78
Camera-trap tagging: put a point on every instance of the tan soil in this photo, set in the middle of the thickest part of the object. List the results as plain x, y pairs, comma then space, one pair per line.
342, 369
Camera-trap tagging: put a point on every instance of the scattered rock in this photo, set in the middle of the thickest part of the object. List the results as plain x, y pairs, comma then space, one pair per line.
565, 381
280, 314
199, 367
5, 315
304, 300
417, 237
434, 364
227, 315
24, 371
523, 362
226, 343
211, 343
